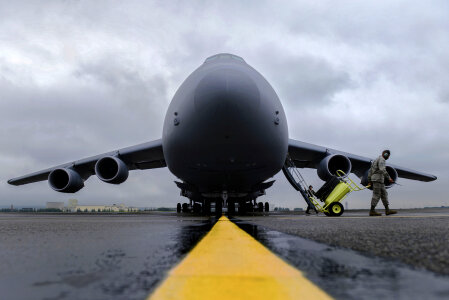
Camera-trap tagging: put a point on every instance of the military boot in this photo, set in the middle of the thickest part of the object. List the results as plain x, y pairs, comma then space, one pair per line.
390, 211
373, 212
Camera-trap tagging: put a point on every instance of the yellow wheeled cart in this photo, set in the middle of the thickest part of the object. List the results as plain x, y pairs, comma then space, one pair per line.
332, 205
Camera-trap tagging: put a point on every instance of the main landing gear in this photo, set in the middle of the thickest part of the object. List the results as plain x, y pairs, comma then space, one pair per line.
205, 207
263, 208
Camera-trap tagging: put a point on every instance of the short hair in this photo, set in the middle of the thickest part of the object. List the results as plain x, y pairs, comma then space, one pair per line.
386, 151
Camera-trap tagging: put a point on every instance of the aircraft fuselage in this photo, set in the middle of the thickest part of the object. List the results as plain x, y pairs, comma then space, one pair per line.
225, 129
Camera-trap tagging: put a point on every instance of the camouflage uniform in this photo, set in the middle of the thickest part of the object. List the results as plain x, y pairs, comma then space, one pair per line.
377, 175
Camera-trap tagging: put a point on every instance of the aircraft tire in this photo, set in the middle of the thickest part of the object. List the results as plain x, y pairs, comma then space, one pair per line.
242, 208
185, 207
178, 208
206, 207
260, 207
196, 208
231, 207
218, 208
267, 207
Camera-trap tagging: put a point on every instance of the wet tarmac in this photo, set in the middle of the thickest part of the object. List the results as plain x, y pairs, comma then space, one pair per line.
418, 237
347, 274
91, 257
126, 256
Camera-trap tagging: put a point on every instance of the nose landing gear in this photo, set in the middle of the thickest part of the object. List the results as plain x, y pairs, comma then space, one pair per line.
204, 207
218, 208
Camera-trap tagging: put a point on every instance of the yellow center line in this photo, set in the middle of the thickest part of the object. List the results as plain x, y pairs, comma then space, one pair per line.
230, 264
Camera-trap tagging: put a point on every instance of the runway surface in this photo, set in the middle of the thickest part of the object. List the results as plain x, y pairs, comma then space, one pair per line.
129, 256
91, 256
416, 237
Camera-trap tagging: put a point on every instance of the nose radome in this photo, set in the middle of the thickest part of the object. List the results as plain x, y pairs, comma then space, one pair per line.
229, 90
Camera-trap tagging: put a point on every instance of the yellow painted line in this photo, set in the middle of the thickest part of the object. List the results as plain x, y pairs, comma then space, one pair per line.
230, 264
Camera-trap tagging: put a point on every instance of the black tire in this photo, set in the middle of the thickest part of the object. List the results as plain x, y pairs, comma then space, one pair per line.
197, 208
249, 207
242, 208
336, 209
327, 214
327, 188
206, 208
178, 208
267, 207
260, 207
231, 207
218, 208
185, 207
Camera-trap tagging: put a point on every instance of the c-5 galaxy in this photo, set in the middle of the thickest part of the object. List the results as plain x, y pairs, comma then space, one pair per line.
225, 134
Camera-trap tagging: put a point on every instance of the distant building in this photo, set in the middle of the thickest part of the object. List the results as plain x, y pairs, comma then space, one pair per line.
55, 205
27, 209
72, 203
72, 206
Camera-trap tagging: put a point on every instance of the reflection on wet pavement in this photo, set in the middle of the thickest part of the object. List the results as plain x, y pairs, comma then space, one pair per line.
89, 257
346, 274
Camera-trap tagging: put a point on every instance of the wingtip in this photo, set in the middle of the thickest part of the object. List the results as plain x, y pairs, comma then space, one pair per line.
12, 182
430, 178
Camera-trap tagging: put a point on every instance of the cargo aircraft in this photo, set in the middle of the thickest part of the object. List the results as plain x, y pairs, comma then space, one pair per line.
225, 134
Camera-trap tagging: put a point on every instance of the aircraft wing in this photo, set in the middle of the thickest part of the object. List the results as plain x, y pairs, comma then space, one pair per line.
143, 156
305, 155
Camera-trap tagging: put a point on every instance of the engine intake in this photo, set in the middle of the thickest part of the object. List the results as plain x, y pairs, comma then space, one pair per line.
393, 174
390, 170
111, 169
329, 166
65, 180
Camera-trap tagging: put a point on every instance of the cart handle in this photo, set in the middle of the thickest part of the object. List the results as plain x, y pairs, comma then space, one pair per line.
345, 178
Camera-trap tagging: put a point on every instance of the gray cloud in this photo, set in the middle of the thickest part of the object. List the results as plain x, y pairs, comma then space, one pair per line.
310, 80
79, 78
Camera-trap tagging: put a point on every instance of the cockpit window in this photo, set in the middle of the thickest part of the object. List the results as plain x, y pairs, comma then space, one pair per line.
224, 56
237, 58
211, 58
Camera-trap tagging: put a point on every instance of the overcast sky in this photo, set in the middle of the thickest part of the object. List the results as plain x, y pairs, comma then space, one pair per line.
79, 78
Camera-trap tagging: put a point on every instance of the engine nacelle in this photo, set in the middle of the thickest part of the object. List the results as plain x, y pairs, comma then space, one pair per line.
329, 166
65, 180
390, 170
111, 169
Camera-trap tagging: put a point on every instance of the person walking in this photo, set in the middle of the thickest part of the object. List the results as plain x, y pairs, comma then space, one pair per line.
376, 177
311, 193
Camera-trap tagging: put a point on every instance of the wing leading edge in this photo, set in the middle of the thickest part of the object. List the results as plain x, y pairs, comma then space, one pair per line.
148, 155
306, 155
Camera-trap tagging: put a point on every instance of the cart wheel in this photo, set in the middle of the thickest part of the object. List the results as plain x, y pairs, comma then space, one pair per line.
327, 214
336, 209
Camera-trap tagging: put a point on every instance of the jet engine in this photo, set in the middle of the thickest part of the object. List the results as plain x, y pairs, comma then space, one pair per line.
111, 169
329, 166
65, 180
390, 170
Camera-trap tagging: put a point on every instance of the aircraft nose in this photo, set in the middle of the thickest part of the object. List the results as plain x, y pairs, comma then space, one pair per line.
227, 93
227, 116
